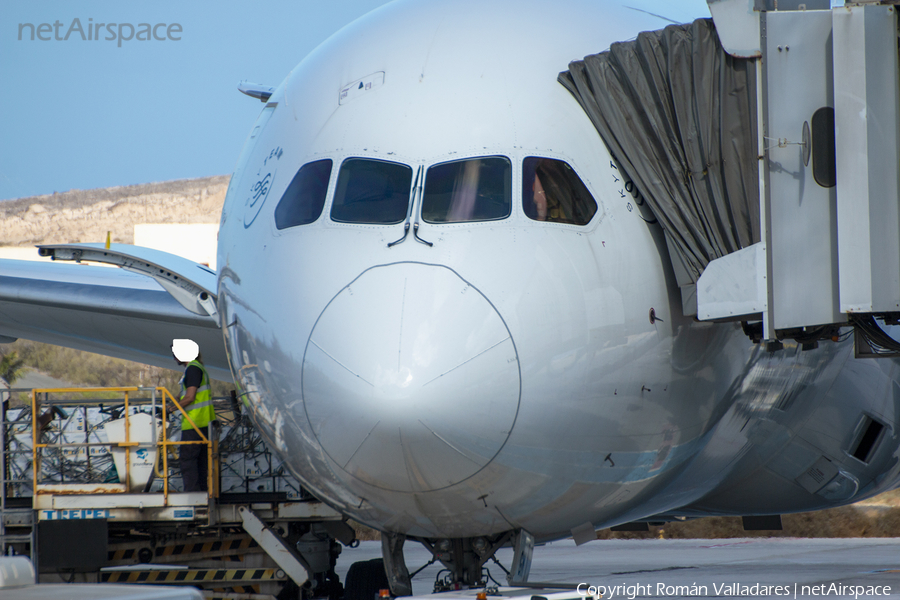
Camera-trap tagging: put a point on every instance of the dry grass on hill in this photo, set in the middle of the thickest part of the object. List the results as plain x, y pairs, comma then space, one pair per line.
87, 215
78, 198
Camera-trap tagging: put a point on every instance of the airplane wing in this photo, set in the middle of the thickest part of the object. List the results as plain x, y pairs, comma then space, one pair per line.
132, 312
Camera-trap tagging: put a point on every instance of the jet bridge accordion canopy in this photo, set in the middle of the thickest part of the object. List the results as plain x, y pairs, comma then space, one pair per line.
678, 114
790, 113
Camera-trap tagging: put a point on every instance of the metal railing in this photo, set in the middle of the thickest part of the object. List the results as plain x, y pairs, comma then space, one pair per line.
245, 462
160, 401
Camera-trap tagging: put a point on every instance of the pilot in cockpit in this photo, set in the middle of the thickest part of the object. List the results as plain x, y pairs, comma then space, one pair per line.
539, 199
552, 192
543, 201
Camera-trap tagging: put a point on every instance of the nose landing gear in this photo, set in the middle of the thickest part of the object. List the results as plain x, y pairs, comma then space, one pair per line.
463, 558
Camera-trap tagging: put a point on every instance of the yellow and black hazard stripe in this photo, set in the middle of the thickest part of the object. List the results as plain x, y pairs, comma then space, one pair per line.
219, 546
234, 589
184, 551
195, 576
122, 555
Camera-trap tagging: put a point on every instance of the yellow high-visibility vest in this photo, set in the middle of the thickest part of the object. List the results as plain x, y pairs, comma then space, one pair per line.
201, 410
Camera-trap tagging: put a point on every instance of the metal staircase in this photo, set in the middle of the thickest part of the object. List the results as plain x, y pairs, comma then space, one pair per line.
17, 529
17, 522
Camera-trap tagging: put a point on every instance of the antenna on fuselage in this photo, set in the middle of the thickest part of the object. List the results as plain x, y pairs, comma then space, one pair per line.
654, 15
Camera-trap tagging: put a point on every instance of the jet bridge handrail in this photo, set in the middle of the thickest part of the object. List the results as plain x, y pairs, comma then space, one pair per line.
161, 441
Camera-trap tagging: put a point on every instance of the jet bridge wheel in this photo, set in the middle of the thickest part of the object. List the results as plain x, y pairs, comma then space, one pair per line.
365, 579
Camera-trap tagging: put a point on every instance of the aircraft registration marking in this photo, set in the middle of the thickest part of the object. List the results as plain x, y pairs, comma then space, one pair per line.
628, 188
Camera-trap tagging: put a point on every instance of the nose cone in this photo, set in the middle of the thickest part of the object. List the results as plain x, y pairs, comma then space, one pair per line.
410, 378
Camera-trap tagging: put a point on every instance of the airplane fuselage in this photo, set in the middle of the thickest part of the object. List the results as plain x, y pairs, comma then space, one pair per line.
448, 371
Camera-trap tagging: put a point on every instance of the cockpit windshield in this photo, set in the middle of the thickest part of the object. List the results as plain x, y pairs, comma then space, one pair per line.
372, 191
477, 189
304, 198
553, 192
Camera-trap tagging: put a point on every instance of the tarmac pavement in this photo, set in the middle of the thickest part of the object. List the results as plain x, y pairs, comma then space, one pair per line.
757, 567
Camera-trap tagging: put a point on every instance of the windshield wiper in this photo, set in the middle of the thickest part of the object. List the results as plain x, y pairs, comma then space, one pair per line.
416, 234
419, 210
409, 209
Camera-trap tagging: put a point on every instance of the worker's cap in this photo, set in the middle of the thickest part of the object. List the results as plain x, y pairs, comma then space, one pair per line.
185, 350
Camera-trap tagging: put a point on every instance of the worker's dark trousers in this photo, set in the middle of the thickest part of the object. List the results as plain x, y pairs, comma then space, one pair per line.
194, 468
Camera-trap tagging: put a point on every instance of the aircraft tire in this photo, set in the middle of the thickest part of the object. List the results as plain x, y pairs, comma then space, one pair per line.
365, 579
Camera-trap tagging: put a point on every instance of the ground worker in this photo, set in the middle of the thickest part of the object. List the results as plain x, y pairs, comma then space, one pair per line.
196, 400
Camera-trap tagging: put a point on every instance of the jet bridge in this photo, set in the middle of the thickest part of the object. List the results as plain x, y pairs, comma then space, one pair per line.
772, 161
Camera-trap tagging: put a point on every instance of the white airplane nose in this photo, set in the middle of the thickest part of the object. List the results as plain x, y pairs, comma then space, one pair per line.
411, 378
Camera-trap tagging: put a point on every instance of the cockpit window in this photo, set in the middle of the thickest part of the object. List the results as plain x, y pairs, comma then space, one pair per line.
305, 196
477, 189
372, 191
552, 191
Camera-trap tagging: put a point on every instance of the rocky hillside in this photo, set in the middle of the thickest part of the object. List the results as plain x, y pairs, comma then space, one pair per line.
86, 215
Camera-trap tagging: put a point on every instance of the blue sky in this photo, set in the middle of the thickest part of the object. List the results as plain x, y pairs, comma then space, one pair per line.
80, 114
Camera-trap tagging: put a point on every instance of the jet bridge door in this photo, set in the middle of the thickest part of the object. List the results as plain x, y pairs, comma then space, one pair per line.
801, 210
